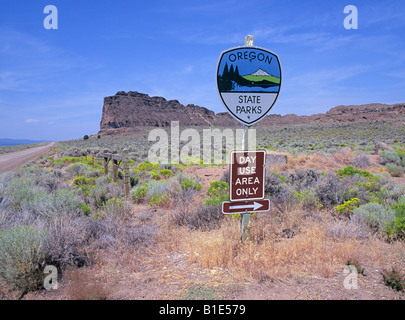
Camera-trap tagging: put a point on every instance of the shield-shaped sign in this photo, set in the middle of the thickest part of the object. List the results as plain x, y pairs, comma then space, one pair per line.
248, 82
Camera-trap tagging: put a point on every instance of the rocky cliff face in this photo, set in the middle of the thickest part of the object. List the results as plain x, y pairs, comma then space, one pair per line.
134, 109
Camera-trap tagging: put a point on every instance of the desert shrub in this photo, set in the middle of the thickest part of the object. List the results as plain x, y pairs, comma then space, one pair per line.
154, 175
350, 171
353, 228
47, 205
21, 257
139, 193
77, 169
394, 279
21, 191
347, 207
52, 181
304, 178
97, 196
61, 162
103, 180
218, 192
330, 190
85, 209
159, 199
395, 170
114, 232
82, 181
115, 207
399, 208
5, 182
217, 187
68, 241
166, 173
147, 166
274, 182
187, 184
157, 187
396, 229
390, 156
401, 153
376, 215
361, 161
204, 218
306, 198
133, 181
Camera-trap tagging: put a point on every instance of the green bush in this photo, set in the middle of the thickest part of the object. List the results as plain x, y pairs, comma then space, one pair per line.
306, 198
97, 195
396, 230
20, 192
350, 171
85, 209
115, 207
21, 257
394, 279
376, 215
77, 169
159, 199
81, 181
166, 173
347, 207
188, 184
218, 187
48, 205
395, 170
391, 157
155, 176
65, 160
139, 193
134, 181
157, 187
218, 192
147, 166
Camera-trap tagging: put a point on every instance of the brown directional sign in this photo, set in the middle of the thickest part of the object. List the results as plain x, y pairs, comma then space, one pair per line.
246, 206
247, 175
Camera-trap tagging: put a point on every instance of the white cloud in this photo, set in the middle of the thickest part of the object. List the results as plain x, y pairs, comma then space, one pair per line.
32, 121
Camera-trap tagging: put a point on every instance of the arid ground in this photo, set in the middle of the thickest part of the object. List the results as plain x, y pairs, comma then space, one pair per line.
169, 239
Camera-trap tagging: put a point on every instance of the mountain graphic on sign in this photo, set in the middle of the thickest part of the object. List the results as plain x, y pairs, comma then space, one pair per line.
260, 72
230, 80
261, 77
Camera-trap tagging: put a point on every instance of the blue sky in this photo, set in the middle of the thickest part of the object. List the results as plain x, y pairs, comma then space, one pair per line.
53, 82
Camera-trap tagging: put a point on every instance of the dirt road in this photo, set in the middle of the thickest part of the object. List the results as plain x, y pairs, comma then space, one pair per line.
14, 160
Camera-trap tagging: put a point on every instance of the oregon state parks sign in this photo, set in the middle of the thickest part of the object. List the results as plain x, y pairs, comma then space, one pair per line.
248, 82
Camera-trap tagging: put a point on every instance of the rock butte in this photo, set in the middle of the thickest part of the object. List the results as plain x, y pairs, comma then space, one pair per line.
132, 109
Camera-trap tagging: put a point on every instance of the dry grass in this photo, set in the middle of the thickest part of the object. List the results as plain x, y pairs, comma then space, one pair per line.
309, 252
338, 160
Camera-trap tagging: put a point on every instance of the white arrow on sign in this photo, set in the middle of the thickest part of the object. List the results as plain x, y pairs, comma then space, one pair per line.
246, 206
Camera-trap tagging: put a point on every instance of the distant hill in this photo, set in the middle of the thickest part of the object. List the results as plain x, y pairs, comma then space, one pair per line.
126, 111
15, 142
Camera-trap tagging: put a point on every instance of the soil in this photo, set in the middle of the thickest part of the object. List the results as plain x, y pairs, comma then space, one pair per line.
164, 271
14, 160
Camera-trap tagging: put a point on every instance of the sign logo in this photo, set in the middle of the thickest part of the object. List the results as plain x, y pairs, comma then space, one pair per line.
248, 82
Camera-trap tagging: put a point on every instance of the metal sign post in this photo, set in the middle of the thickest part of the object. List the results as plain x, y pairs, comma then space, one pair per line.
248, 84
245, 217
